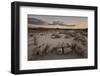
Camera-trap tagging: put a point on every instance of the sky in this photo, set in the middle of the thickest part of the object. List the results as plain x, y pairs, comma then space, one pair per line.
70, 20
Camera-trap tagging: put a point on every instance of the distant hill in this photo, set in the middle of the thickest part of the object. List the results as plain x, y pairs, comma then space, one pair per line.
36, 21
32, 26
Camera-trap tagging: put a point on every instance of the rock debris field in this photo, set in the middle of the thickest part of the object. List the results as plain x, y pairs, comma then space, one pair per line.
49, 44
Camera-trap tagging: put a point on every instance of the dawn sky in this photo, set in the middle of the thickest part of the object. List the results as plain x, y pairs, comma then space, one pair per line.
79, 21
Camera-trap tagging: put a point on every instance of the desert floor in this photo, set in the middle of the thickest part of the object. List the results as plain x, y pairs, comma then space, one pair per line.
57, 44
